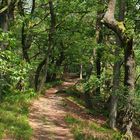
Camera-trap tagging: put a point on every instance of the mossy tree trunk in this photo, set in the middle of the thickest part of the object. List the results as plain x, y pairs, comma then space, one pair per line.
129, 81
116, 72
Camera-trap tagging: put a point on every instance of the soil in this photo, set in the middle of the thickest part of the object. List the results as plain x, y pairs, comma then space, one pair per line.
47, 115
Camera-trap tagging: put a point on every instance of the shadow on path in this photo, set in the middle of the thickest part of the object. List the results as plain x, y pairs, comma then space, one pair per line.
47, 115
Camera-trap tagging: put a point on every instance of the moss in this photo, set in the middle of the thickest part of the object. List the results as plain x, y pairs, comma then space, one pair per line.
121, 26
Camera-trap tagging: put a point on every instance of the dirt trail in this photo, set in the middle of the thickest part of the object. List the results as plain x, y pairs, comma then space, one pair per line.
47, 115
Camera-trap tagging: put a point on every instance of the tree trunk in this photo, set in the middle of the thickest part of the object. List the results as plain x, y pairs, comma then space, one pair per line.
25, 45
87, 95
26, 38
50, 45
99, 39
88, 99
98, 69
129, 81
116, 73
57, 64
81, 71
115, 90
4, 22
37, 73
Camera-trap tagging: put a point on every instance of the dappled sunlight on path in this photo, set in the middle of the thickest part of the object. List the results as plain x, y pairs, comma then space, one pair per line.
47, 115
47, 119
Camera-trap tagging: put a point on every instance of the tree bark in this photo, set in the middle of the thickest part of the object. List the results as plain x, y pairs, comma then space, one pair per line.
116, 73
25, 44
88, 99
98, 69
57, 63
99, 39
26, 38
50, 46
81, 71
129, 81
6, 17
4, 22
37, 73
114, 95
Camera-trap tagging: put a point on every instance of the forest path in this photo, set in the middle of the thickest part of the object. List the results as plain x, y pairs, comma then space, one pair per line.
47, 115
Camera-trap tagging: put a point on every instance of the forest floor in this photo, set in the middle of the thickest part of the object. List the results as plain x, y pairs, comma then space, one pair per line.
53, 116
47, 115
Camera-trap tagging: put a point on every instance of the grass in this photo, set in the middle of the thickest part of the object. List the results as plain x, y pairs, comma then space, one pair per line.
14, 116
78, 98
87, 130
53, 83
50, 85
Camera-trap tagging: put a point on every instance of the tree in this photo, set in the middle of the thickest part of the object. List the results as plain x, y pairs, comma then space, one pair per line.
46, 60
99, 40
116, 72
129, 63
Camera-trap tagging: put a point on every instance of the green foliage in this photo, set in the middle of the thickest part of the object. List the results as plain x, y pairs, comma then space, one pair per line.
91, 83
13, 102
12, 70
14, 112
53, 84
73, 44
137, 106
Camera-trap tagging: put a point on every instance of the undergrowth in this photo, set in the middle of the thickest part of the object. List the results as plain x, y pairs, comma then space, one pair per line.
53, 83
75, 95
87, 130
14, 115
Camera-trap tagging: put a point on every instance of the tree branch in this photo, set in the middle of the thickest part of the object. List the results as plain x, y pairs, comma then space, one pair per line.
110, 21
